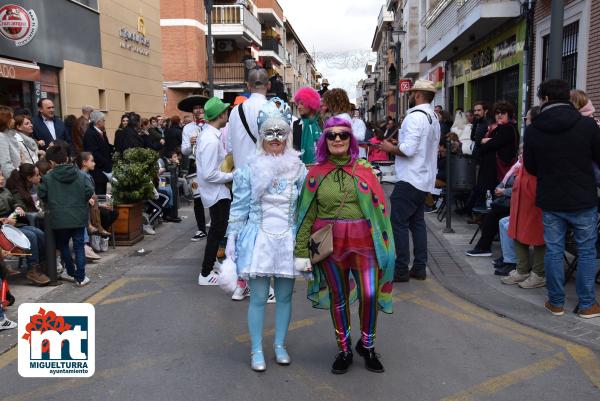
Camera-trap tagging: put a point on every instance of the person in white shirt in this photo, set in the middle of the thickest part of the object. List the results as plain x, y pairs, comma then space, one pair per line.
189, 136
416, 167
243, 142
210, 154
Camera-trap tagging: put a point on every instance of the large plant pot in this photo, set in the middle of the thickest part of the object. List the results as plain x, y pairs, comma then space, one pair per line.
128, 226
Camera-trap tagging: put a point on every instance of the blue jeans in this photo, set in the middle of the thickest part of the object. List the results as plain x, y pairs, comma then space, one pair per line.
38, 245
583, 223
62, 243
408, 214
507, 244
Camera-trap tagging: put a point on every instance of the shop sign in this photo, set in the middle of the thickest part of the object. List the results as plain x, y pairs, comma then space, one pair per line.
18, 24
487, 60
405, 85
135, 41
17, 72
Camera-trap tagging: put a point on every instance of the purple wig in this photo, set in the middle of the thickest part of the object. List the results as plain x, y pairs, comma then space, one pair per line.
323, 150
309, 98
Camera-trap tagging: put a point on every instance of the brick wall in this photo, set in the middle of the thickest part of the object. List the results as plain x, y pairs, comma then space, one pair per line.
593, 73
183, 48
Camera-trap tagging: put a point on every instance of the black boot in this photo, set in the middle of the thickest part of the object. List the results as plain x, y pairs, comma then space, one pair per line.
371, 358
342, 362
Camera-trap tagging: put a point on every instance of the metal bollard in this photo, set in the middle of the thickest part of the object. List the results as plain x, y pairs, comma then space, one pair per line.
50, 249
448, 229
175, 191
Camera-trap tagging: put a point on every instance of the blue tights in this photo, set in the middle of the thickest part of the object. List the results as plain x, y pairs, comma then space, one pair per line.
259, 292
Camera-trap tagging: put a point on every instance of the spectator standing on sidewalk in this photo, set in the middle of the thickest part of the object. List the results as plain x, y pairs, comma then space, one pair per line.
416, 168
46, 126
66, 192
560, 147
210, 154
96, 142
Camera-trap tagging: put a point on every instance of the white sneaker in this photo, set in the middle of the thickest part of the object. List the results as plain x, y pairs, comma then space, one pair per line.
90, 254
240, 293
6, 324
86, 281
533, 281
64, 276
271, 299
514, 277
211, 279
148, 230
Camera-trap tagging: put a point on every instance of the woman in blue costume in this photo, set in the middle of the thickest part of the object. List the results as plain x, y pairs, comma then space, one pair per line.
262, 229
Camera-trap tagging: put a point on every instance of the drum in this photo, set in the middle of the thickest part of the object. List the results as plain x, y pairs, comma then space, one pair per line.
388, 171
13, 240
193, 184
462, 173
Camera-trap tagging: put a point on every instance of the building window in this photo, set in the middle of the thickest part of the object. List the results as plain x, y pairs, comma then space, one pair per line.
127, 102
569, 54
102, 99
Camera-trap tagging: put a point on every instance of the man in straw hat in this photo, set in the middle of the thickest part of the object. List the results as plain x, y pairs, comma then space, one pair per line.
195, 105
416, 167
210, 154
324, 87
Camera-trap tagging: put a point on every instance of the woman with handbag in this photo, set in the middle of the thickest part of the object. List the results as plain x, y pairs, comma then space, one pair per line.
344, 230
261, 229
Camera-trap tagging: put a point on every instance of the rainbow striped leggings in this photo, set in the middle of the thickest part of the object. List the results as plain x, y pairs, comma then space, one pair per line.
365, 272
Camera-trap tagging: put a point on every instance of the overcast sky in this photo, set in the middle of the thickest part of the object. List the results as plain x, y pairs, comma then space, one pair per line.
335, 26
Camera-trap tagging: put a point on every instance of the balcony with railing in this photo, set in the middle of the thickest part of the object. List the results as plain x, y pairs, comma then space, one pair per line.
271, 47
235, 22
270, 12
453, 25
228, 73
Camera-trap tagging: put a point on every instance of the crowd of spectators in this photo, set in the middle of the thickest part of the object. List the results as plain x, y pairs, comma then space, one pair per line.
66, 164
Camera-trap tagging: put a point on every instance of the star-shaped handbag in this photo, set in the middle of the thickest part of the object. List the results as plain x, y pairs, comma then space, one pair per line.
321, 241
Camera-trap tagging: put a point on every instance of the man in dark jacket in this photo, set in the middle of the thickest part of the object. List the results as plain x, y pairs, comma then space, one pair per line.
96, 142
66, 192
46, 126
560, 147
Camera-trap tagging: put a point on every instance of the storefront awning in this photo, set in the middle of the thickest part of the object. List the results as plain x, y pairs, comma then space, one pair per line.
20, 70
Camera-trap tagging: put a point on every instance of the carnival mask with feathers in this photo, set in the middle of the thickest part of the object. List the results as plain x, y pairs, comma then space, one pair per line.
274, 120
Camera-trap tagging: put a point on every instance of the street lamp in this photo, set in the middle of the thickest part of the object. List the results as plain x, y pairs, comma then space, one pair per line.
208, 5
397, 35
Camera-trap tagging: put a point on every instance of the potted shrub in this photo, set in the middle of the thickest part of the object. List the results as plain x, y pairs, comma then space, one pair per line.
133, 173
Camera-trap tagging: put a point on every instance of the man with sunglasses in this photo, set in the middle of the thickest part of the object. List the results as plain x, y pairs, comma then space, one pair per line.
416, 168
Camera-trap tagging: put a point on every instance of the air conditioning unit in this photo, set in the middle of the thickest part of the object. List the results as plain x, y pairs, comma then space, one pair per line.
224, 46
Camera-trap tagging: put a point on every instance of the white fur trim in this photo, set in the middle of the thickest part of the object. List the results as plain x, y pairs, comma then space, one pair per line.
265, 168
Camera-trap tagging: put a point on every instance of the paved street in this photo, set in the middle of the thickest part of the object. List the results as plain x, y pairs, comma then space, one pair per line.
162, 337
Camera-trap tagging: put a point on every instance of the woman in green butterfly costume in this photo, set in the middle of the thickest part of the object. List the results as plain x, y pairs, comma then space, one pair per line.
343, 189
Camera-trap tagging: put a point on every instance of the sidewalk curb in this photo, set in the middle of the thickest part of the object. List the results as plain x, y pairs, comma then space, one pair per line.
463, 281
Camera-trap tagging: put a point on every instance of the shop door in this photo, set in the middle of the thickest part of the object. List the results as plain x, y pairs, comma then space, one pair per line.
484, 90
16, 94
